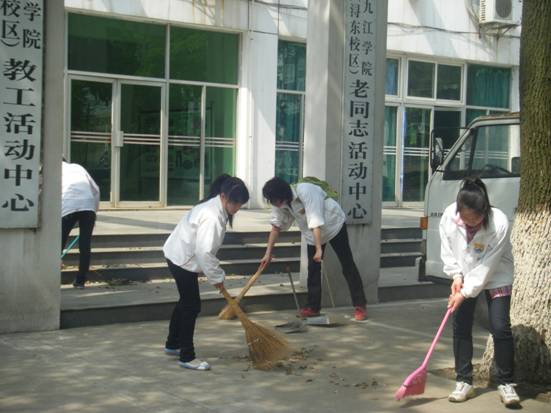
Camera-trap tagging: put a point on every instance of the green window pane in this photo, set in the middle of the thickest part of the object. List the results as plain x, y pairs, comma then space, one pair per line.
204, 56
287, 165
488, 86
98, 44
141, 109
446, 126
96, 159
473, 113
390, 125
389, 171
218, 160
389, 160
415, 162
449, 82
421, 79
288, 117
220, 112
184, 110
90, 106
291, 66
391, 79
183, 175
140, 173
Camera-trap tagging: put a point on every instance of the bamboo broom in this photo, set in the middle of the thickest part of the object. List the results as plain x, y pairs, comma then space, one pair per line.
227, 312
265, 345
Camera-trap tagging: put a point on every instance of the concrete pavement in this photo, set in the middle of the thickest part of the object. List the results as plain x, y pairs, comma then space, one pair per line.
355, 367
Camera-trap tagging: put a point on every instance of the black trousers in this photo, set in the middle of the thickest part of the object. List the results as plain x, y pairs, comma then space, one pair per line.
500, 328
182, 322
86, 221
341, 246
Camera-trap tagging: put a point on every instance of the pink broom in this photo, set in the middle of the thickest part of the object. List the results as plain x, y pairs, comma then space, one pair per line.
415, 382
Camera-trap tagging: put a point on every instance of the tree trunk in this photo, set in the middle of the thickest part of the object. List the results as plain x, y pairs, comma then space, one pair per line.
531, 236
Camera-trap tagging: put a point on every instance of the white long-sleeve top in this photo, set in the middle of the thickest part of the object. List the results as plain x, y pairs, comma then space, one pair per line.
486, 262
310, 208
195, 241
79, 192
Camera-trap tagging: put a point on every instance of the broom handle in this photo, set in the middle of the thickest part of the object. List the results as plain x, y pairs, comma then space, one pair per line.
436, 337
250, 283
71, 245
233, 304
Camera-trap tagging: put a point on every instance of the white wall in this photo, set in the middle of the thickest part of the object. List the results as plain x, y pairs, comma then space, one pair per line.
443, 28
29, 268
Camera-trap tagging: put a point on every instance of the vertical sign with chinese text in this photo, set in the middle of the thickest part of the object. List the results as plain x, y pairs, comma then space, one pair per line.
21, 48
358, 119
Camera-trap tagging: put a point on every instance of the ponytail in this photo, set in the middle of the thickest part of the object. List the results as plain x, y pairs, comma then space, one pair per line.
232, 187
474, 195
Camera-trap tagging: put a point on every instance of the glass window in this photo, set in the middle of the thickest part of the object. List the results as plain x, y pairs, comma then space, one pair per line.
389, 160
91, 130
204, 56
491, 151
291, 66
449, 82
471, 114
391, 79
488, 86
220, 112
288, 136
421, 79
415, 163
98, 44
184, 130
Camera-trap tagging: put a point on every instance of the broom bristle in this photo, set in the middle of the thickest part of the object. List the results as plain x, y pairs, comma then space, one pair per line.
265, 345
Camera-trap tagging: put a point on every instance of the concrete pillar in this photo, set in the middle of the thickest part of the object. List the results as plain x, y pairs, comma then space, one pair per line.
256, 163
323, 140
29, 268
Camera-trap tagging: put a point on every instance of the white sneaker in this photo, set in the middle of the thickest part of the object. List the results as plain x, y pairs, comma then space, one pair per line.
508, 395
195, 364
462, 392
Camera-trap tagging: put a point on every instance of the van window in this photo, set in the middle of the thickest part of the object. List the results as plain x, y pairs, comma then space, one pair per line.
491, 151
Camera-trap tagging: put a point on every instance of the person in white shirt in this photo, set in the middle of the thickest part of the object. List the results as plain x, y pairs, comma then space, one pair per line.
79, 202
321, 220
476, 253
191, 249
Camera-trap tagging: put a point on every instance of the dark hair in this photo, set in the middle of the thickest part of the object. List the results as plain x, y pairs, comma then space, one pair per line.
276, 189
473, 195
232, 187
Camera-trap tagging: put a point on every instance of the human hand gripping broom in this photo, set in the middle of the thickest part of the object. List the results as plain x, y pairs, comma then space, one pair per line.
415, 382
227, 312
265, 346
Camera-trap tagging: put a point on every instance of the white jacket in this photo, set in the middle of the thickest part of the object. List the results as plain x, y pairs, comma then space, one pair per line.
310, 208
79, 192
486, 262
196, 239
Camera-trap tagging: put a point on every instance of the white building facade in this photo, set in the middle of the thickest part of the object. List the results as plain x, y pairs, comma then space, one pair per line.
161, 96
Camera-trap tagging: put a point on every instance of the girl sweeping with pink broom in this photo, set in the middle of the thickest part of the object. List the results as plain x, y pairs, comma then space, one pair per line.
476, 252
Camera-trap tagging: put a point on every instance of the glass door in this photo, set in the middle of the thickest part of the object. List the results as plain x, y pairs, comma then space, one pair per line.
90, 129
138, 143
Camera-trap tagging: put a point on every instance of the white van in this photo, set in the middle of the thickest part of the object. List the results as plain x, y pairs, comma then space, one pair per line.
490, 149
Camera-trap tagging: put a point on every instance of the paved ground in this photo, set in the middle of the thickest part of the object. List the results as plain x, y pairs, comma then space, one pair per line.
351, 368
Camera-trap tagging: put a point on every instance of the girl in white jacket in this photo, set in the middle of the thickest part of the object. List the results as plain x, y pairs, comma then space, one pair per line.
476, 252
191, 249
321, 220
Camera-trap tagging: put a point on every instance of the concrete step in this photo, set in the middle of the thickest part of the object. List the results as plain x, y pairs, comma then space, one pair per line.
400, 245
149, 255
158, 239
401, 233
105, 304
399, 259
159, 270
